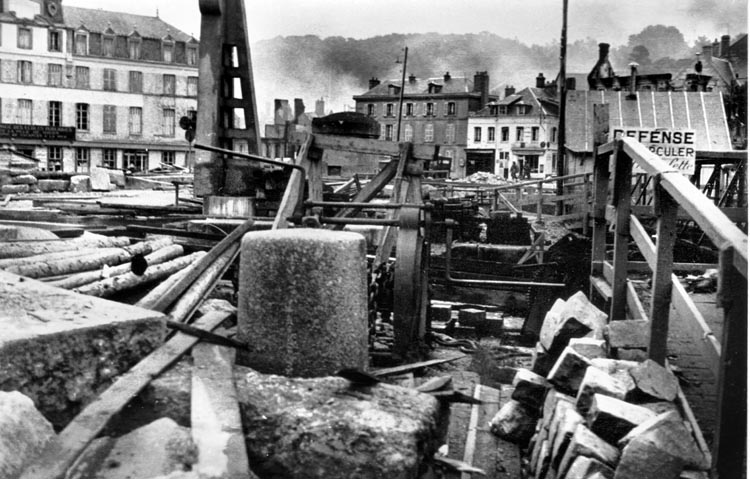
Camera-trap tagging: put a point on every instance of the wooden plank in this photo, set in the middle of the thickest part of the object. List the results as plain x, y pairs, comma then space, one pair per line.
643, 241
399, 195
414, 366
471, 436
598, 212
635, 307
695, 429
643, 266
601, 287
294, 188
215, 420
622, 196
735, 215
371, 189
60, 453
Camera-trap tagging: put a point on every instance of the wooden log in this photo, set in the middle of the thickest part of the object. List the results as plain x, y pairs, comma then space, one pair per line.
20, 249
108, 256
158, 291
157, 257
47, 257
123, 282
62, 451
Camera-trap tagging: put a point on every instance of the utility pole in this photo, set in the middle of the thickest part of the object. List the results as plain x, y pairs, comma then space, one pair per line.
560, 170
401, 96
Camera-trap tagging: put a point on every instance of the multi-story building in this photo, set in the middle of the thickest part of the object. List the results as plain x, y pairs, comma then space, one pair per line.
435, 112
521, 128
83, 87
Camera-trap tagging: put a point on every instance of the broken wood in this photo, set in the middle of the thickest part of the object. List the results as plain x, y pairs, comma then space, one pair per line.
413, 366
20, 249
60, 452
157, 257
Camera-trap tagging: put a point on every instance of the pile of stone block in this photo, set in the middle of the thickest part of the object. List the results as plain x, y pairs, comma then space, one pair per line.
18, 180
578, 413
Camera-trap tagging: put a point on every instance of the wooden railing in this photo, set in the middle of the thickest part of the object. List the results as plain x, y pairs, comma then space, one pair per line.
672, 191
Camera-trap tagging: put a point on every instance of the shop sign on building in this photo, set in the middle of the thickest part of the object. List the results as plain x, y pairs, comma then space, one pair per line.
675, 146
37, 132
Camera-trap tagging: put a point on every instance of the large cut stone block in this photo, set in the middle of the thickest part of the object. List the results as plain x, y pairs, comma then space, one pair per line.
628, 333
303, 301
655, 381
611, 418
574, 318
441, 313
24, 180
46, 186
61, 348
328, 427
13, 189
541, 360
99, 178
567, 425
589, 347
589, 468
530, 389
23, 433
586, 443
596, 381
80, 184
644, 458
568, 371
514, 423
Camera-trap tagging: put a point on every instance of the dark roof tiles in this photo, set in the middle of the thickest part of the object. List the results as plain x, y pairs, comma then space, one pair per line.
95, 20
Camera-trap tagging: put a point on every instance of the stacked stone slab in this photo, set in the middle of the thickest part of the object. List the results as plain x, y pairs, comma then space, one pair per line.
597, 417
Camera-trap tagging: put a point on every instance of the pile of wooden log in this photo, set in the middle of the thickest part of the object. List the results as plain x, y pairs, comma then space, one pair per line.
579, 414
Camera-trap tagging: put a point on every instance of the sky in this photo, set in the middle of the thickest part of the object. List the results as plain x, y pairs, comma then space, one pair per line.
529, 21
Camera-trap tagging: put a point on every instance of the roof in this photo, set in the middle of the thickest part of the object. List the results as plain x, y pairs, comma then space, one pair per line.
738, 55
542, 100
95, 20
420, 86
700, 111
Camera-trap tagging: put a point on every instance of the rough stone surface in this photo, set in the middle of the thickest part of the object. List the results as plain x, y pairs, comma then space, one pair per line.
586, 443
568, 371
24, 180
628, 333
167, 395
116, 177
80, 184
23, 433
541, 468
587, 468
99, 178
611, 418
530, 389
589, 347
631, 354
61, 348
514, 423
645, 459
47, 186
13, 189
472, 317
655, 381
597, 381
567, 425
550, 405
618, 369
303, 301
541, 360
326, 427
8, 233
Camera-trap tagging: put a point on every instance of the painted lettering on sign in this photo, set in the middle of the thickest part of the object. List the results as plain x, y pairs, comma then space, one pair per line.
676, 147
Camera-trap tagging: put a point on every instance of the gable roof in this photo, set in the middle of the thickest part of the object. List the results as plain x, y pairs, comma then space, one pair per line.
420, 86
542, 101
95, 20
700, 111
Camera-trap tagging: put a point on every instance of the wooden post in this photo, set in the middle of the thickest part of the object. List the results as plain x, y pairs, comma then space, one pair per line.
585, 207
730, 438
601, 184
622, 196
519, 197
666, 229
539, 203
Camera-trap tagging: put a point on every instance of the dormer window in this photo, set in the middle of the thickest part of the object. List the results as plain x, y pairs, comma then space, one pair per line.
191, 55
522, 109
167, 49
82, 42
108, 43
54, 41
134, 46
434, 88
394, 90
24, 38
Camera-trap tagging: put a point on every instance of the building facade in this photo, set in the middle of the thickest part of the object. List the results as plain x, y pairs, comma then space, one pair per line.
435, 112
520, 129
83, 87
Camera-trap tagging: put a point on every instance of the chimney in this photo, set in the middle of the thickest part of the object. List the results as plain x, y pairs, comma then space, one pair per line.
320, 108
412, 78
373, 83
482, 85
724, 49
509, 90
447, 77
716, 47
708, 53
633, 78
299, 109
540, 80
282, 112
603, 51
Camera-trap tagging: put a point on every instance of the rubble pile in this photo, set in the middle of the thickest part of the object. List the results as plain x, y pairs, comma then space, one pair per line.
21, 180
485, 178
582, 411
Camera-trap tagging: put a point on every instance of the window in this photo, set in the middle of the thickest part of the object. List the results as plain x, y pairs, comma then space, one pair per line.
408, 133
334, 170
169, 82
167, 52
451, 108
54, 158
82, 77
450, 133
108, 46
382, 131
409, 109
429, 109
389, 109
110, 79
136, 82
167, 122
192, 86
477, 134
134, 48
24, 38
521, 109
135, 120
519, 133
109, 119
136, 160
534, 133
82, 160
82, 116
504, 133
370, 109
192, 56
24, 72
389, 132
81, 44
167, 157
553, 136
109, 158
429, 132
23, 116
54, 42
54, 113
491, 133
54, 74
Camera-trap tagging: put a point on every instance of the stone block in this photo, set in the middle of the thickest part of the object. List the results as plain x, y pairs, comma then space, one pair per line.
167, 395
24, 180
644, 458
611, 418
669, 433
568, 371
551, 323
659, 407
589, 347
24, 433
47, 186
328, 427
596, 381
14, 189
550, 405
303, 301
568, 424
618, 369
99, 179
589, 468
441, 313
116, 177
586, 443
628, 333
472, 317
514, 423
8, 233
542, 466
655, 381
539, 438
631, 354
80, 184
530, 389
541, 360
61, 348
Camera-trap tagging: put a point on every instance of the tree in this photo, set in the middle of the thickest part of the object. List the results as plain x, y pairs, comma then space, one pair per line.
640, 55
661, 41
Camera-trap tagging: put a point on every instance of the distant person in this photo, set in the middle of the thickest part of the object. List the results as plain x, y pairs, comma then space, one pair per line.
514, 171
527, 171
